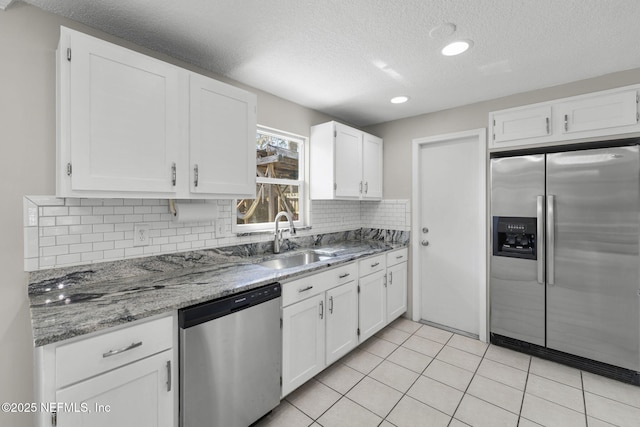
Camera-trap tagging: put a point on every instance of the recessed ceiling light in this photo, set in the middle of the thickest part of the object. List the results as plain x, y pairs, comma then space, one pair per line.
457, 47
399, 99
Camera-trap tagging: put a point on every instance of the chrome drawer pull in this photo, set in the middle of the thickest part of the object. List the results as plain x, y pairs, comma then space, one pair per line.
342, 276
122, 350
305, 289
375, 265
168, 375
400, 257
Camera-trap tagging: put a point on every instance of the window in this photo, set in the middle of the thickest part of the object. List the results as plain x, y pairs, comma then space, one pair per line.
280, 159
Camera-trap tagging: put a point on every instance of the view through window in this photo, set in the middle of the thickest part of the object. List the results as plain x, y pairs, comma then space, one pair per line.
279, 181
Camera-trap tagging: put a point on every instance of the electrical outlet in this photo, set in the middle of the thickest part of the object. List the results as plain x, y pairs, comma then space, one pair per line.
219, 228
141, 235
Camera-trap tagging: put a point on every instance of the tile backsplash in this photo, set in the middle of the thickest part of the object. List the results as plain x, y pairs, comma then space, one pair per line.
65, 232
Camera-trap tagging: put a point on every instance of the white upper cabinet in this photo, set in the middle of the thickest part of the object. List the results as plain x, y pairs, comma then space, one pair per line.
599, 112
133, 126
372, 167
520, 124
595, 115
346, 164
223, 119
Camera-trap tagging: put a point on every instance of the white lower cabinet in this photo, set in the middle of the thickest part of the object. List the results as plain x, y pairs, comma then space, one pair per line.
326, 315
383, 291
396, 284
123, 377
319, 323
138, 394
371, 304
302, 342
342, 321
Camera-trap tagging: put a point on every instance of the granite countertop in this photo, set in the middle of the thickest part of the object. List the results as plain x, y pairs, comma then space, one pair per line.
73, 301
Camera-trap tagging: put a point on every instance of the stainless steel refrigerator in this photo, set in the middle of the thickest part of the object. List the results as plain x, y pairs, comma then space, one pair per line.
565, 265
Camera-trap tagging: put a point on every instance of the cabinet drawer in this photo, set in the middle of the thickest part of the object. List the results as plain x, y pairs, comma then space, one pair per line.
397, 257
371, 265
85, 358
342, 274
304, 288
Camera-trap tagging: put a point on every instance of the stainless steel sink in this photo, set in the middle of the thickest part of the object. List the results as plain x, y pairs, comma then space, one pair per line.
297, 260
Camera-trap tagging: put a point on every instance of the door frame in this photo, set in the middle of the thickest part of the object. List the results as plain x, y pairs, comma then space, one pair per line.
417, 145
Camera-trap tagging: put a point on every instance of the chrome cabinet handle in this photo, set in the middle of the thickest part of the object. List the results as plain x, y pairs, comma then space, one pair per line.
195, 175
173, 174
425, 243
391, 277
321, 309
400, 257
550, 240
305, 289
375, 265
168, 375
331, 305
566, 122
342, 276
366, 187
122, 350
540, 237
360, 186
547, 125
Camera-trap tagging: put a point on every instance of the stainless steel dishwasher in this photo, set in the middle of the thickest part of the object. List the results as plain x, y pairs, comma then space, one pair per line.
231, 359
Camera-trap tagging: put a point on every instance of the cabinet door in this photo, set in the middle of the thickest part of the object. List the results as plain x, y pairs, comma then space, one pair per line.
348, 161
342, 320
222, 139
396, 291
139, 394
119, 118
600, 112
303, 335
372, 304
372, 167
523, 123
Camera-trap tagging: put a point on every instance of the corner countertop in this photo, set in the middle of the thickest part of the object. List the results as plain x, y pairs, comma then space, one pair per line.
73, 301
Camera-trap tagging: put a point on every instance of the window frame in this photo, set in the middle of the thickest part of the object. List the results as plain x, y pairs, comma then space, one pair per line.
301, 182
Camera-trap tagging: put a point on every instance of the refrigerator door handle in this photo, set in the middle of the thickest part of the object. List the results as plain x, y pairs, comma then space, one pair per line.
541, 239
550, 239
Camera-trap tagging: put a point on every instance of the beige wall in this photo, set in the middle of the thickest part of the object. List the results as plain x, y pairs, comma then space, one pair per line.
398, 134
28, 40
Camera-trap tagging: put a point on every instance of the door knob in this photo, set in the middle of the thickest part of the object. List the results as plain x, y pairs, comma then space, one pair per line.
425, 230
425, 243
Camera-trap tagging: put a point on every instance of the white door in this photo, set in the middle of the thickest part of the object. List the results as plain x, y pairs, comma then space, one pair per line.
372, 167
342, 320
303, 329
348, 161
449, 229
133, 395
222, 139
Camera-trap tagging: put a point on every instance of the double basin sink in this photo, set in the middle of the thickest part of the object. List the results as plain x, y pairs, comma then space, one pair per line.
296, 260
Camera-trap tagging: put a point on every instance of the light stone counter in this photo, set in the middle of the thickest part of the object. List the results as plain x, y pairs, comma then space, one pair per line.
73, 301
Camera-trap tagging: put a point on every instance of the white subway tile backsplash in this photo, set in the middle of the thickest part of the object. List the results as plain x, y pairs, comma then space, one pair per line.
75, 231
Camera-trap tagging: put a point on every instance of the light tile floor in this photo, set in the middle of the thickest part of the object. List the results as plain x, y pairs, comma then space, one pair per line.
411, 374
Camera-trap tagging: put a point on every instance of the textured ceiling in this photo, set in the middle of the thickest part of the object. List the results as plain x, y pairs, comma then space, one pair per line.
347, 58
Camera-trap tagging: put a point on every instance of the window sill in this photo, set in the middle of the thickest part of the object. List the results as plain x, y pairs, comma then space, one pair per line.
270, 231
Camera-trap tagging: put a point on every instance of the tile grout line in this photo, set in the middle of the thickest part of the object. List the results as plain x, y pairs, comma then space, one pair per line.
524, 391
469, 385
584, 401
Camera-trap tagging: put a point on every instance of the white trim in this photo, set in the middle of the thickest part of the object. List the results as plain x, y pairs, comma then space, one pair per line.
301, 182
417, 144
